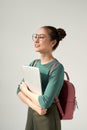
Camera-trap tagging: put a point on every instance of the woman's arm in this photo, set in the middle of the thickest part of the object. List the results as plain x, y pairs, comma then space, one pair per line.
53, 88
27, 101
32, 96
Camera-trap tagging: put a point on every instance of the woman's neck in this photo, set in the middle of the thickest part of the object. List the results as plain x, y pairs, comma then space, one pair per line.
46, 58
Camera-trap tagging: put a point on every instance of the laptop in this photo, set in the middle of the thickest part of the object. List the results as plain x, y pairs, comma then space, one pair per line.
32, 78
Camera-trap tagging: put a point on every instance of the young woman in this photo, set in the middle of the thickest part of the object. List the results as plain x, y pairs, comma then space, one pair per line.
43, 113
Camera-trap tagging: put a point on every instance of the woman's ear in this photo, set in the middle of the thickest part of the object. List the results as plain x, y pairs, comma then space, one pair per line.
53, 43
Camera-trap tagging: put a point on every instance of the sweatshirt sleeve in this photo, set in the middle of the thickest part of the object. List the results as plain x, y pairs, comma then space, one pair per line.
18, 88
56, 78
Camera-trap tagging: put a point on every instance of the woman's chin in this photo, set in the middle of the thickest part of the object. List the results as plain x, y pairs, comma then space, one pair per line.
37, 50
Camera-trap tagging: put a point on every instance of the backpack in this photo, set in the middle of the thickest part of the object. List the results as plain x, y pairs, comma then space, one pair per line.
66, 101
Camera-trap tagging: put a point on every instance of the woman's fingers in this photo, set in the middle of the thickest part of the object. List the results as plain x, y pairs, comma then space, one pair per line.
42, 111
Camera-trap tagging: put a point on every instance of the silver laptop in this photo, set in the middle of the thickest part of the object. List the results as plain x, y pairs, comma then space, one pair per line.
31, 76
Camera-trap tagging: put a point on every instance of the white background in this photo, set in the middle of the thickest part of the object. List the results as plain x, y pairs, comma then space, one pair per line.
18, 20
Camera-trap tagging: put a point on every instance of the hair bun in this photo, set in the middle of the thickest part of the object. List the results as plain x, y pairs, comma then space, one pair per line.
61, 33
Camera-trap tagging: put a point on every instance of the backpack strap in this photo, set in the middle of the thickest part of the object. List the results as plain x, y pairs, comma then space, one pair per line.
53, 66
35, 62
67, 76
59, 105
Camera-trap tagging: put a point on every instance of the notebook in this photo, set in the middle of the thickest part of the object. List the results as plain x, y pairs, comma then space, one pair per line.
31, 76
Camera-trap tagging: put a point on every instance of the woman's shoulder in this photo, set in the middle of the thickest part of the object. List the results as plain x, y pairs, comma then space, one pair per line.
57, 63
57, 66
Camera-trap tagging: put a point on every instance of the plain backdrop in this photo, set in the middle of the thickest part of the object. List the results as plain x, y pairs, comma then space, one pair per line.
19, 19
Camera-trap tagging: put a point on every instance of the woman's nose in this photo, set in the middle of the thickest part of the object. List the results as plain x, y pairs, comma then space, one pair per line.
36, 39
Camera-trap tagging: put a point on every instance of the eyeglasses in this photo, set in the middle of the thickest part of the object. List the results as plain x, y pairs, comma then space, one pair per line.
38, 36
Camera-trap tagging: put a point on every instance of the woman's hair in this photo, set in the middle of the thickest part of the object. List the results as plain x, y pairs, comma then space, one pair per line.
55, 34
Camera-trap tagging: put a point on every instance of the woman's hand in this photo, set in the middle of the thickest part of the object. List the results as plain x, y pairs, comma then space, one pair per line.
23, 87
25, 98
41, 111
29, 103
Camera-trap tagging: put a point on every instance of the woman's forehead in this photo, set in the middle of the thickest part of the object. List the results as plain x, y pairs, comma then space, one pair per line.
42, 31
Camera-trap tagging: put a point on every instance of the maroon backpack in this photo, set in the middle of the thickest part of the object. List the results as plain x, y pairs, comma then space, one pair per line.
66, 101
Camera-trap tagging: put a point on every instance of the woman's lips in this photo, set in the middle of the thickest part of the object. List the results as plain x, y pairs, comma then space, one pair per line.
37, 45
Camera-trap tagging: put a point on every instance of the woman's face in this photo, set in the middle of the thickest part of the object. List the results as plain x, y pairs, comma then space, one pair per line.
42, 42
